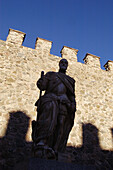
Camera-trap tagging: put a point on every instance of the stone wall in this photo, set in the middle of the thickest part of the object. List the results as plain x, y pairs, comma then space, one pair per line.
20, 67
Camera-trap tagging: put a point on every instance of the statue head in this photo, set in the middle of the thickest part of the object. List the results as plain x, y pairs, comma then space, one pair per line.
63, 64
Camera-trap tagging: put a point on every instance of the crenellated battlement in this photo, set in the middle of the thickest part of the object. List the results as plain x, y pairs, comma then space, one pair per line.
92, 60
20, 68
16, 38
109, 65
69, 53
43, 45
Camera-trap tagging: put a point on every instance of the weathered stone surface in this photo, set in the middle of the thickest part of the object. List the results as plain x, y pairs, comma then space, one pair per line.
20, 67
92, 60
15, 37
109, 65
70, 53
43, 45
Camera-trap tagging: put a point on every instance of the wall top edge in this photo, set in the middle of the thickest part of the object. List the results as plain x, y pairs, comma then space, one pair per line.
91, 55
38, 38
76, 50
108, 62
64, 47
10, 29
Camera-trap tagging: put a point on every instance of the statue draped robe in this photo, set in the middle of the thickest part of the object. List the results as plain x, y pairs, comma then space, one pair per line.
49, 109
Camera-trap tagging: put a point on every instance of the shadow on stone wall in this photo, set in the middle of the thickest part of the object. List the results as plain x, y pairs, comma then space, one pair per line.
15, 149
112, 134
13, 145
91, 153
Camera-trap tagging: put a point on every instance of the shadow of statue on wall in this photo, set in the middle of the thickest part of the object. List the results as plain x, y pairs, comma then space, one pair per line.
112, 134
13, 145
15, 149
91, 153
90, 139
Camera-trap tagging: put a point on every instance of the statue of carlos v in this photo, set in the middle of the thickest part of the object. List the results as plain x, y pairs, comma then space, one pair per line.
55, 112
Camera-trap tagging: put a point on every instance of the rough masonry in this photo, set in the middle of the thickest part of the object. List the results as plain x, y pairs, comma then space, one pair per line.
20, 67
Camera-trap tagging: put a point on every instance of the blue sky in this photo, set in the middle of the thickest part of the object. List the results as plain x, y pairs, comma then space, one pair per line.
86, 25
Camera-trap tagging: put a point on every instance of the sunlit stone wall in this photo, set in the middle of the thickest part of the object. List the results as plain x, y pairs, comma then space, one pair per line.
20, 67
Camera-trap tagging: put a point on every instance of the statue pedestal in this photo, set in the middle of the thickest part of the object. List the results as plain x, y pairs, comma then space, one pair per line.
43, 164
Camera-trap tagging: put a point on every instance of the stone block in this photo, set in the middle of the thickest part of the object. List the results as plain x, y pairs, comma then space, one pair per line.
69, 53
92, 60
109, 65
15, 37
43, 45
